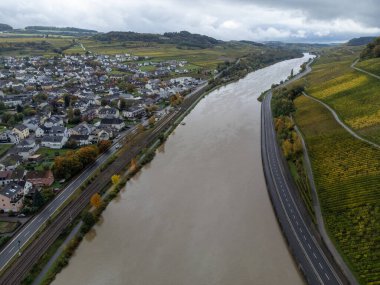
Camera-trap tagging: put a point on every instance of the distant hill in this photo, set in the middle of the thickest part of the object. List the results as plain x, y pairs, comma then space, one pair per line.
182, 39
59, 30
360, 41
5, 27
298, 46
252, 43
372, 49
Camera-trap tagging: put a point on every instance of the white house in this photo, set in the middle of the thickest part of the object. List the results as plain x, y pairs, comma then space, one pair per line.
39, 132
9, 137
134, 112
114, 123
56, 142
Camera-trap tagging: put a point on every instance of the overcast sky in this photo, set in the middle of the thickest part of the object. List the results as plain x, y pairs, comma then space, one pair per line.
258, 20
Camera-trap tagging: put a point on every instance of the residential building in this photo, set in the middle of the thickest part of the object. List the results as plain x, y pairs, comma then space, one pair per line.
56, 142
22, 131
114, 123
108, 112
134, 112
40, 178
11, 197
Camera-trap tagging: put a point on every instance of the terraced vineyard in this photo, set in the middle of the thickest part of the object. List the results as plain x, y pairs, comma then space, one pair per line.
370, 65
354, 95
347, 176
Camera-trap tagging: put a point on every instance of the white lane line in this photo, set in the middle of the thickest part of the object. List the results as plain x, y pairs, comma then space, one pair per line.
62, 198
297, 223
304, 237
39, 220
27, 233
11, 249
314, 255
294, 216
308, 244
320, 265
328, 278
301, 230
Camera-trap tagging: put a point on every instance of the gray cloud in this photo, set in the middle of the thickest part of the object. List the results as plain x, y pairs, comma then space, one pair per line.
364, 11
287, 20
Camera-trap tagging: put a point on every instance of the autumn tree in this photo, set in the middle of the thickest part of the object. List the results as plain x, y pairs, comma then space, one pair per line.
133, 165
115, 179
152, 120
103, 145
176, 99
140, 128
287, 148
87, 154
96, 200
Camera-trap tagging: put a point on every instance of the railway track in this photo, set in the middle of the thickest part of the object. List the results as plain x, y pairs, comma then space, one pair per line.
23, 264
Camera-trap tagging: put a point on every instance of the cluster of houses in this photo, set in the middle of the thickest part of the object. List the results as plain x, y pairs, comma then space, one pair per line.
95, 86
16, 184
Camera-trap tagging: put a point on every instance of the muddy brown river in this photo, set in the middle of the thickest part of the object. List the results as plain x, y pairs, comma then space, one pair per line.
199, 213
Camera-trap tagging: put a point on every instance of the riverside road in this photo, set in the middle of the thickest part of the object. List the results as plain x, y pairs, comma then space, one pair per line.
17, 242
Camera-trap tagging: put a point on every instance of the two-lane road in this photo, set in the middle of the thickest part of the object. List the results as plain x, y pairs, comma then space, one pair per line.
310, 257
29, 230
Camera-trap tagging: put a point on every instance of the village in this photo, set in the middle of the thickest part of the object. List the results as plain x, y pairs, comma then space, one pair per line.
51, 106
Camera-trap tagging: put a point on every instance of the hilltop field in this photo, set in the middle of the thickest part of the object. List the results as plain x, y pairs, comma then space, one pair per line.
353, 94
346, 170
209, 57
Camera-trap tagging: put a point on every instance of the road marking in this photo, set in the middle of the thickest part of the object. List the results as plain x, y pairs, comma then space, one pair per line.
328, 278
39, 220
294, 216
11, 249
301, 230
308, 244
304, 237
61, 198
320, 265
297, 223
314, 255
26, 233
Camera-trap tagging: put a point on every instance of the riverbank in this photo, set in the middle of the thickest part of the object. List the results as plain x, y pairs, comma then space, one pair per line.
154, 198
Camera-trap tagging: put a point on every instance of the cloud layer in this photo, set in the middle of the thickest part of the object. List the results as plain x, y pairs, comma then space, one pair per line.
259, 20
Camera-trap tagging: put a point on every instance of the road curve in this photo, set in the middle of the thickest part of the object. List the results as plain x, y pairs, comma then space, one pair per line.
362, 70
340, 122
310, 257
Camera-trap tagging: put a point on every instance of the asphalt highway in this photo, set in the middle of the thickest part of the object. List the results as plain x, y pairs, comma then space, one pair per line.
306, 250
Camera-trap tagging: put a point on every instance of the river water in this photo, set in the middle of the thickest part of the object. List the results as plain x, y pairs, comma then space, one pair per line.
199, 213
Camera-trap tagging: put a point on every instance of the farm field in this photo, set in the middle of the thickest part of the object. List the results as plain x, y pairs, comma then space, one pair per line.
19, 46
198, 58
347, 175
205, 58
353, 94
370, 65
